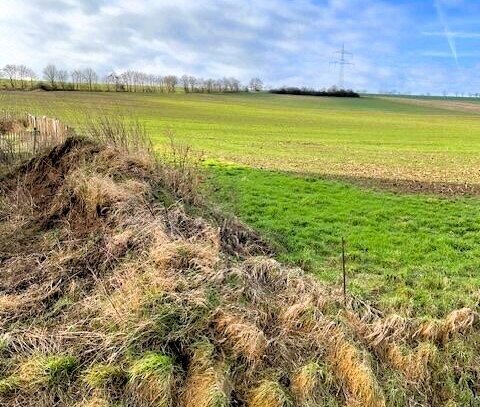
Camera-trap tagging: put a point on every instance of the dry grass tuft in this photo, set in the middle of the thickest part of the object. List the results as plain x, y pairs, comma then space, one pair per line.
458, 321
125, 134
97, 194
12, 123
413, 364
385, 330
358, 379
300, 316
9, 385
45, 372
246, 339
310, 384
206, 384
269, 394
152, 380
105, 377
95, 401
181, 170
185, 256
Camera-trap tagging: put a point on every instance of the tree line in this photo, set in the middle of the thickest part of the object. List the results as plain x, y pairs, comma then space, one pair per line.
333, 91
87, 79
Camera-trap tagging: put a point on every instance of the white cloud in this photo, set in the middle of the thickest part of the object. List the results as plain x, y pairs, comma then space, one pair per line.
282, 41
454, 34
448, 34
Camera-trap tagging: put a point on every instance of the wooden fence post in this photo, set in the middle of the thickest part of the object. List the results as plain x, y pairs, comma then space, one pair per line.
40, 133
35, 141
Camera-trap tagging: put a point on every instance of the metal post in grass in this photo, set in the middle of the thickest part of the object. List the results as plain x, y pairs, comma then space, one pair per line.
344, 271
35, 141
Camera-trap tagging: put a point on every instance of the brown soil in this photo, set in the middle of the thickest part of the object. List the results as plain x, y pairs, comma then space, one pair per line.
413, 187
455, 105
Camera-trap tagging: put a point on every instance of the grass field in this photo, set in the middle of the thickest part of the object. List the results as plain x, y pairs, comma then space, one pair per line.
414, 253
382, 138
418, 253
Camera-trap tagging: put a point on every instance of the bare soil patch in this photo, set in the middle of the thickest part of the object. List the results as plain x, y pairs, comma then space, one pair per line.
413, 186
460, 106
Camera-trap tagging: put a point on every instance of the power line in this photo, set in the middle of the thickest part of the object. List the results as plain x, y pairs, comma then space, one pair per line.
342, 61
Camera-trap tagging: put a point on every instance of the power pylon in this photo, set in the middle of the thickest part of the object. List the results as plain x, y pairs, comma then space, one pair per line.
342, 61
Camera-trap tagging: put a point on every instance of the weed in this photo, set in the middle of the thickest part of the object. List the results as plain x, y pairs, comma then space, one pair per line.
9, 385
152, 380
46, 371
104, 376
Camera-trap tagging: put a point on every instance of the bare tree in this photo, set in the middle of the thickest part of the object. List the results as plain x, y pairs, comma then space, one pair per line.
22, 75
76, 78
209, 85
112, 80
200, 85
90, 77
234, 85
31, 75
50, 73
191, 84
130, 81
127, 79
11, 72
159, 83
62, 78
226, 84
135, 80
152, 82
185, 83
141, 80
18, 74
256, 84
192, 81
170, 82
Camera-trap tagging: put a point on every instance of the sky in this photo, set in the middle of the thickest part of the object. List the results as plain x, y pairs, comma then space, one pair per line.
417, 46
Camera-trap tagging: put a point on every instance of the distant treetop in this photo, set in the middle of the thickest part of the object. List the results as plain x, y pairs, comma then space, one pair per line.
333, 91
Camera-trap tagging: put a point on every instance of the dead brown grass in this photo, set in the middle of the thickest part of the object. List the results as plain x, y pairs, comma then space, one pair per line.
206, 383
458, 321
96, 401
269, 394
311, 384
246, 339
353, 370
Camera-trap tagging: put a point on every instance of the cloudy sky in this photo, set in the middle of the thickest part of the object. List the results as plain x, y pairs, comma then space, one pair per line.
414, 45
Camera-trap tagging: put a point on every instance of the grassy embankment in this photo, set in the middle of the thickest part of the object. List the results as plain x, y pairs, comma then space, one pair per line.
111, 296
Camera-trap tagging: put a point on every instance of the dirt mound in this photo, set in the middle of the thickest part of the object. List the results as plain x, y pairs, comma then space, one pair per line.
110, 296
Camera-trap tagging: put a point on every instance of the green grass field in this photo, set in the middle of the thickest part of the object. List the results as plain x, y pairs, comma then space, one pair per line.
415, 253
382, 138
418, 253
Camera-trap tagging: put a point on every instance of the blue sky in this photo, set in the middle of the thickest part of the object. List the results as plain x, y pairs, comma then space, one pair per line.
411, 46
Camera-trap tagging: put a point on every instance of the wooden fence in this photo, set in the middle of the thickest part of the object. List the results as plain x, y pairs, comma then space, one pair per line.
48, 127
24, 136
